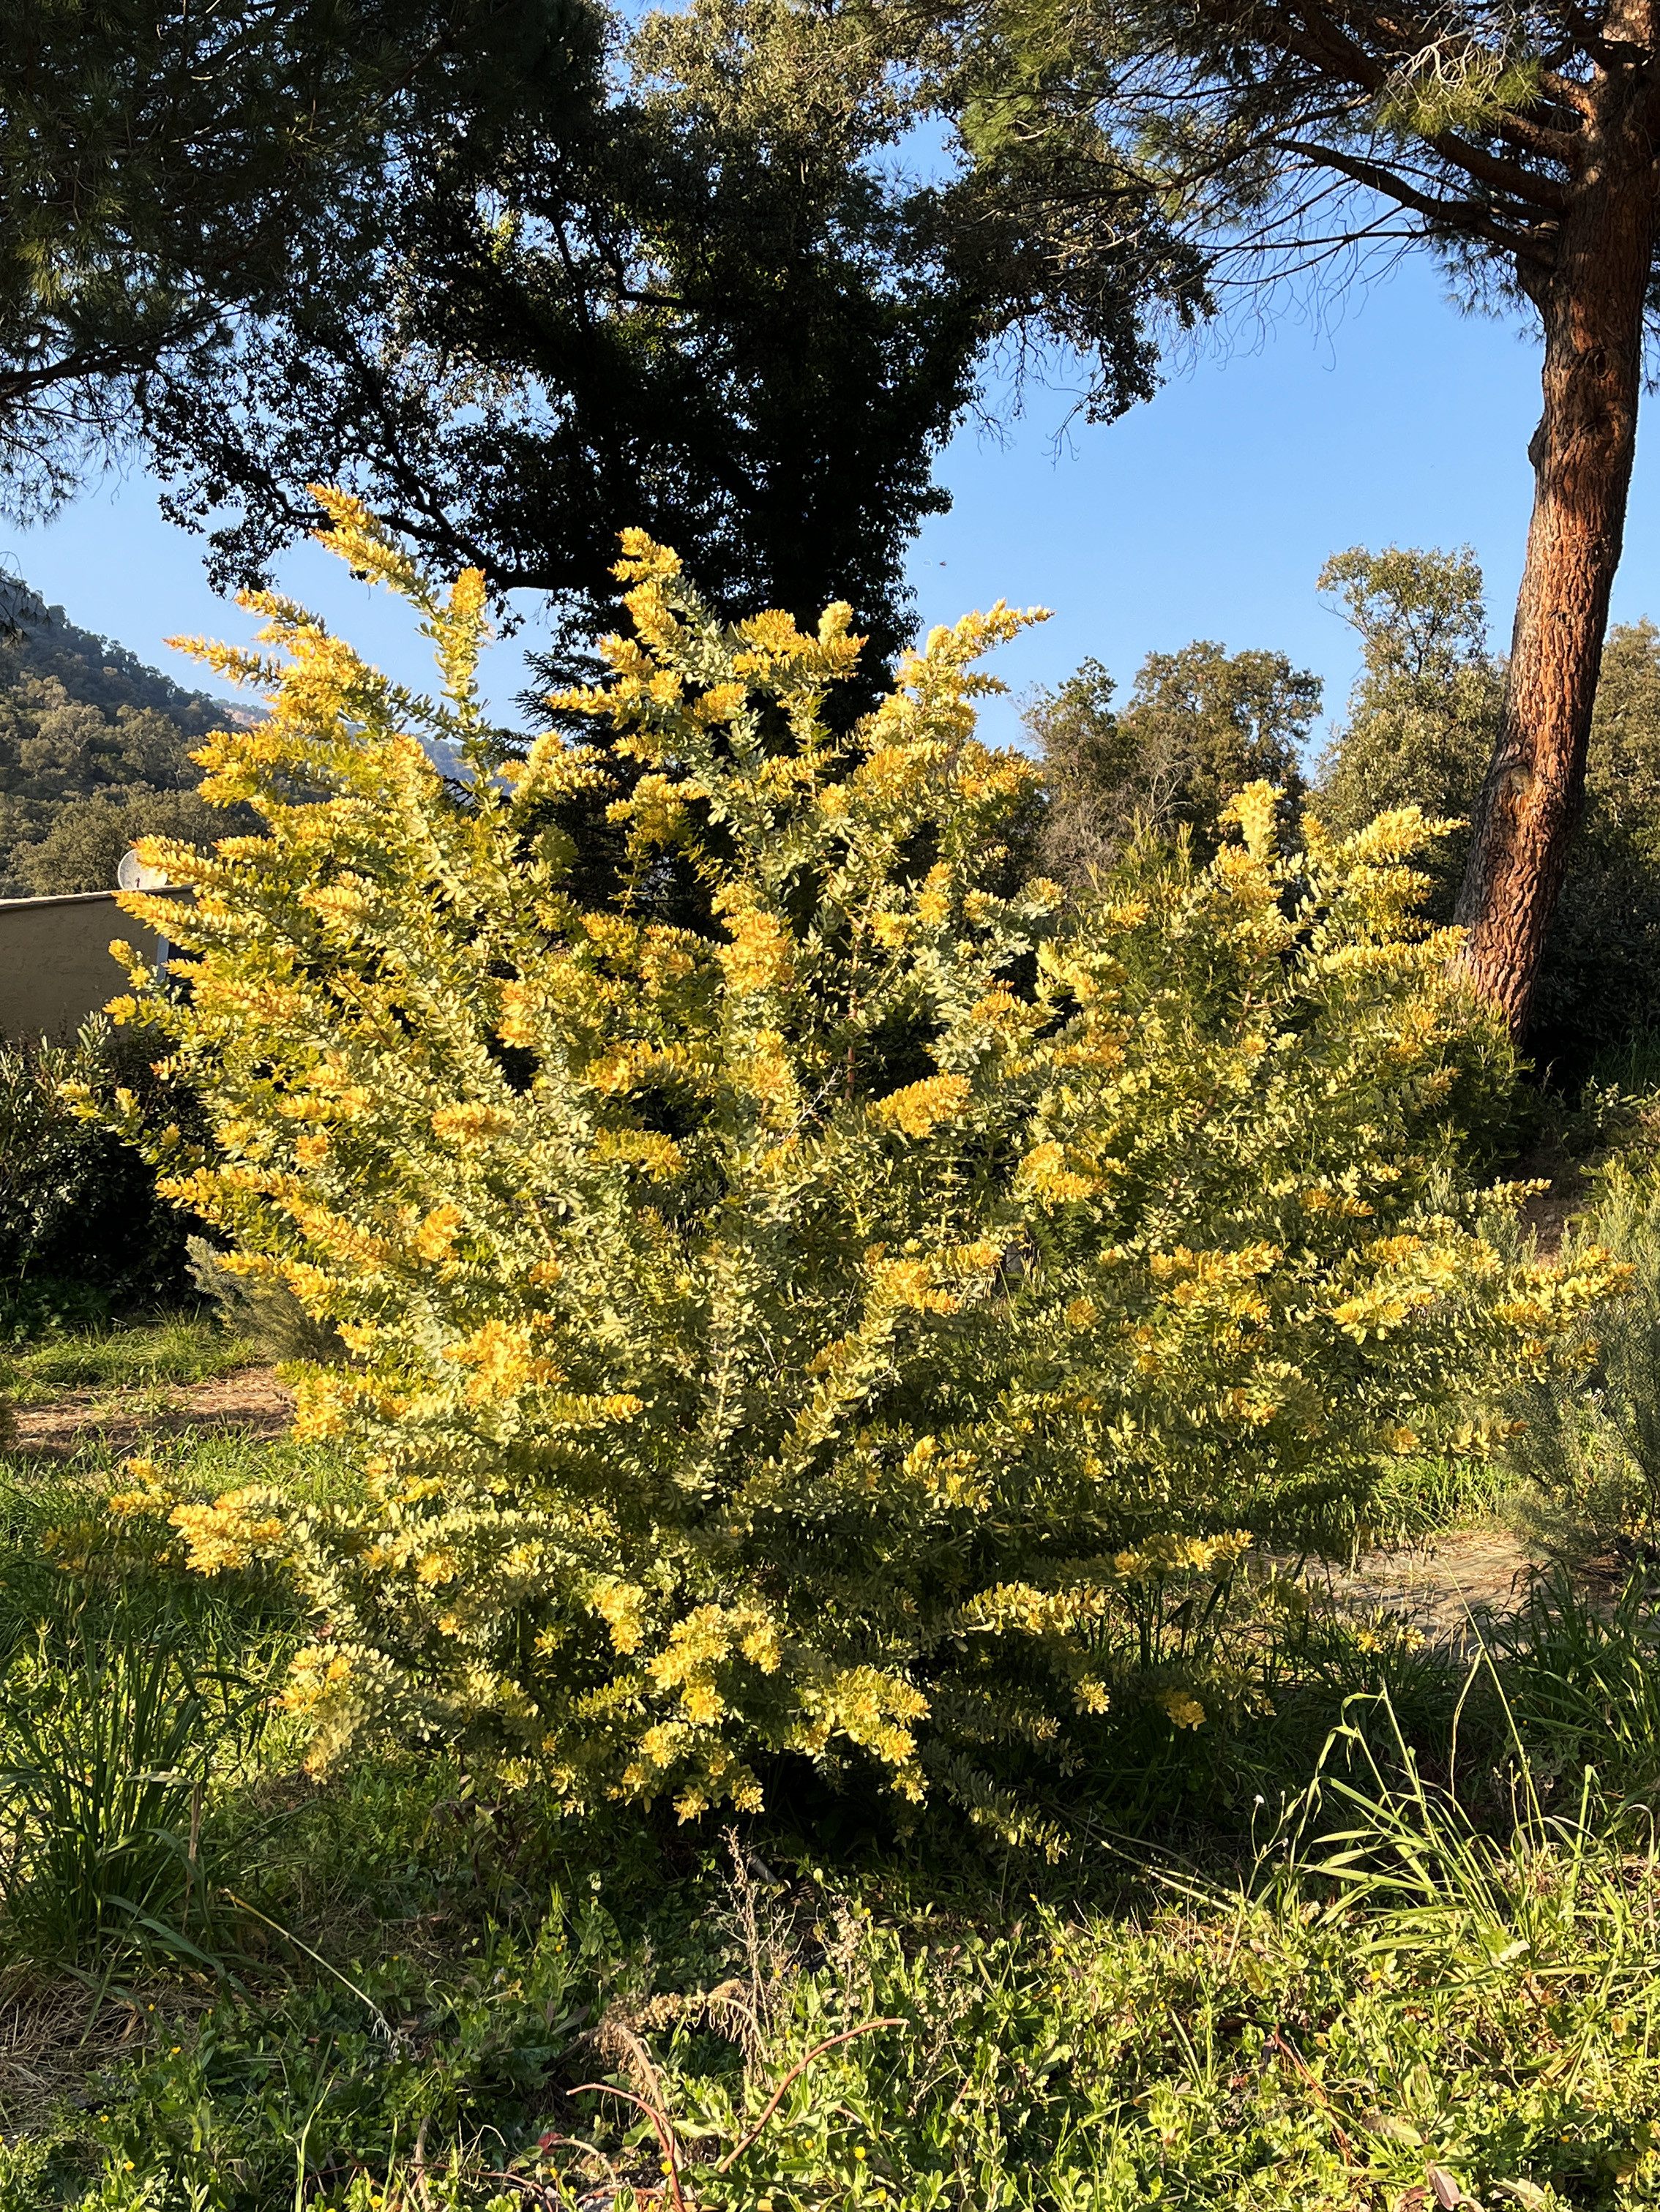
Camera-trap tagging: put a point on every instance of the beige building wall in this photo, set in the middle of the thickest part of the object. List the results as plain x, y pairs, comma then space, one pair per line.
55, 965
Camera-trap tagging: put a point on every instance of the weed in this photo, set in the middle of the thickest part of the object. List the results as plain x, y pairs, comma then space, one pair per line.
1584, 1684
1416, 1498
107, 1763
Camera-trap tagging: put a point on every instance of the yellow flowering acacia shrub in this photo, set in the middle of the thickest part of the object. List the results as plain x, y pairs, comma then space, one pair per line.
789, 1334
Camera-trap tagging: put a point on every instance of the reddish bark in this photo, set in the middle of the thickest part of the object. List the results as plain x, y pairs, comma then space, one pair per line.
1592, 301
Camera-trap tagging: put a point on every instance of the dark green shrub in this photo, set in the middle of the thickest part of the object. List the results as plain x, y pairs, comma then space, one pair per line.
83, 843
82, 1228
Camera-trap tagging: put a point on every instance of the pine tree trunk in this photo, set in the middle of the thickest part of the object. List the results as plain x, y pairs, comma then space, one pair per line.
1592, 304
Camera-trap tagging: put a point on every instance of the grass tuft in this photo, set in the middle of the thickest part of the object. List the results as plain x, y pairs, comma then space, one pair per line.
177, 1348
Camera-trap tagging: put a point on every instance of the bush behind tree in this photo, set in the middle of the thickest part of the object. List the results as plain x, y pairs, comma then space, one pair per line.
1202, 724
791, 1336
1422, 721
1423, 712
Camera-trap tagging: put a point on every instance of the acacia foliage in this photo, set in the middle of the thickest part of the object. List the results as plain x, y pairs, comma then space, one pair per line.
792, 1335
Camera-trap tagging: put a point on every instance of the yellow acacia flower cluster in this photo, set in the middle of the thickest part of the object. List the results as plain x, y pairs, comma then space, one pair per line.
231, 1531
801, 1291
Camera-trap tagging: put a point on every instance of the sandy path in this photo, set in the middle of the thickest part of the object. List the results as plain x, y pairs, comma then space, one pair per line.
250, 1401
1445, 1588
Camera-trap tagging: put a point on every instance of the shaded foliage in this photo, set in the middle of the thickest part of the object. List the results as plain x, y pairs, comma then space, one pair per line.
167, 172
80, 1223
1425, 710
693, 297
85, 838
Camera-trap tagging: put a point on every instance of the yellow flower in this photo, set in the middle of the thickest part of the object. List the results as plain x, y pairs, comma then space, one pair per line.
934, 903
622, 1606
465, 1122
759, 958
1256, 811
654, 1155
126, 1504
503, 1364
910, 1283
720, 703
435, 1238
229, 1533
920, 1108
1045, 1175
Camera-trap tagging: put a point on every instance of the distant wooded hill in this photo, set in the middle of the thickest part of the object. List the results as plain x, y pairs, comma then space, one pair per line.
95, 751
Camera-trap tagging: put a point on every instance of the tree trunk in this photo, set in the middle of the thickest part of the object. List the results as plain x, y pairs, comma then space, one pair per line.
1592, 304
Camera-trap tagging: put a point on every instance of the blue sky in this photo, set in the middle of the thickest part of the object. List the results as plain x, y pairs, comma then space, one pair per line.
1206, 513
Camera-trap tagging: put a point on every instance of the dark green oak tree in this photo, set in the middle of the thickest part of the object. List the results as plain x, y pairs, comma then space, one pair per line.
702, 301
520, 276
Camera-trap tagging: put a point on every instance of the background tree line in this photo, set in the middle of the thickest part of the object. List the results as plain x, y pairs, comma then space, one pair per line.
95, 751
1419, 730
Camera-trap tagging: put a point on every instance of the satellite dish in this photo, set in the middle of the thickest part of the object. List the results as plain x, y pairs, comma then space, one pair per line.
133, 876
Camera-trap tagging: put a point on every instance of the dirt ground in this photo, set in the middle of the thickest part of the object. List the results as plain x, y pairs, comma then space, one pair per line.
1550, 1212
1445, 1588
252, 1402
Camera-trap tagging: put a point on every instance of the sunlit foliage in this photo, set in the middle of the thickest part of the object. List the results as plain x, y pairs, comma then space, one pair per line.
791, 1334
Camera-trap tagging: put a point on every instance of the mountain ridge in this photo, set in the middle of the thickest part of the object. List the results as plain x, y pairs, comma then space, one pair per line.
95, 751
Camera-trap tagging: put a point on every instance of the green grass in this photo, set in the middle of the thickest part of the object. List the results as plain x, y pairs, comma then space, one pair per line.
1391, 1924
1415, 1497
415, 1978
180, 1348
1495, 2015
